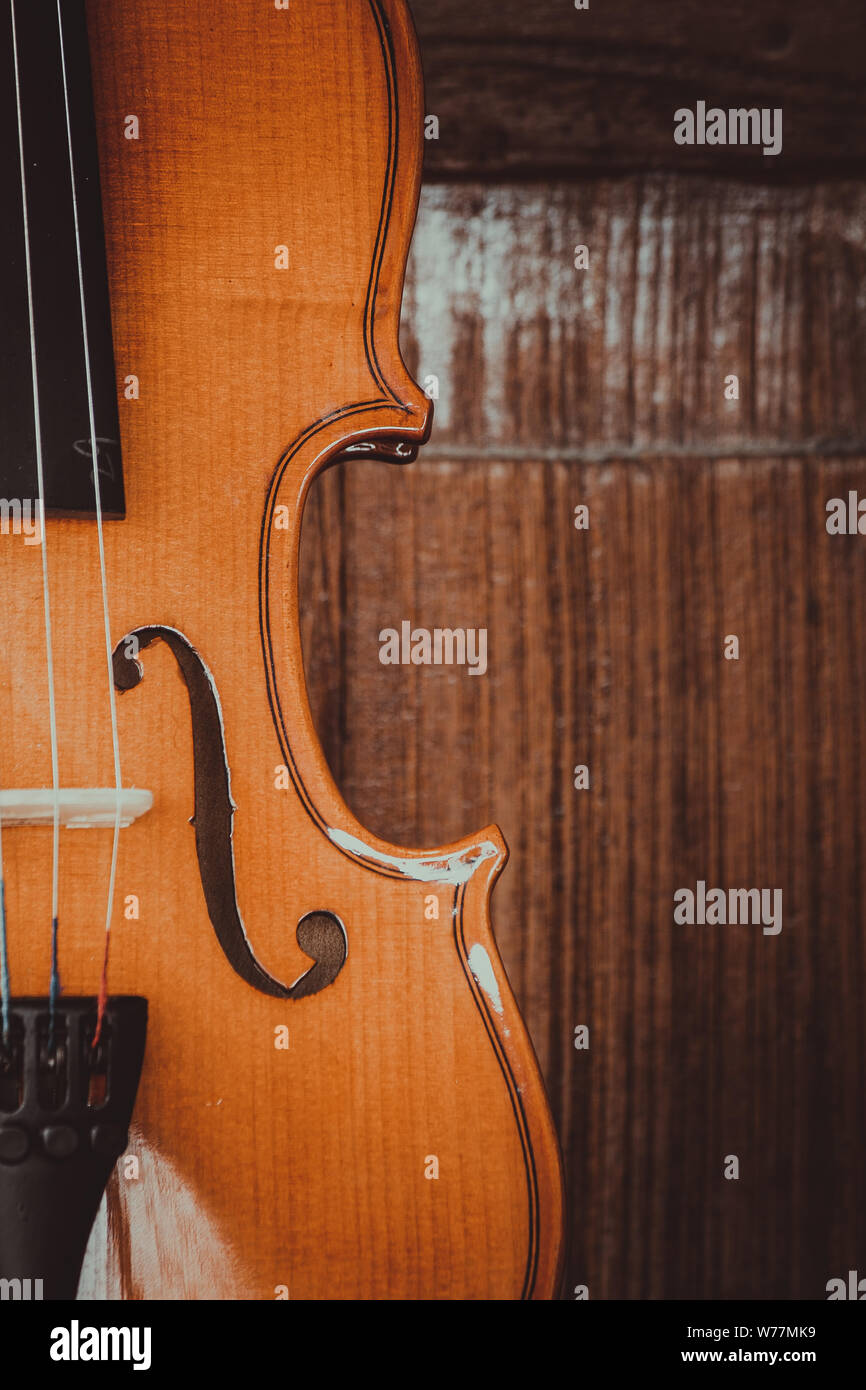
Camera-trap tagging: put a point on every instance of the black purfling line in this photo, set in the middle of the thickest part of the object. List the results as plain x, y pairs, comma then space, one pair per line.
372, 362
265, 621
513, 1096
387, 198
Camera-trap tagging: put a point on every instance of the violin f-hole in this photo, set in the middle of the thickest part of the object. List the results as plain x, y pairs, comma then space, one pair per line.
320, 935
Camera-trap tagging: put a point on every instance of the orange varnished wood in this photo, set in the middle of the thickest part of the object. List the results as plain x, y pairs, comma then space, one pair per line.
301, 1170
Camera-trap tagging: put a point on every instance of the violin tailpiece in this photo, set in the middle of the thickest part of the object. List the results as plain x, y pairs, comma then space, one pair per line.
65, 1109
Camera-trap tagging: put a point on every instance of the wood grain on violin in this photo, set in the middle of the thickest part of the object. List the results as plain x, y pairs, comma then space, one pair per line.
379, 1128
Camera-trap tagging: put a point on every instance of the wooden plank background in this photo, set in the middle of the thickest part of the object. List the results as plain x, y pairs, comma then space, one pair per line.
544, 90
707, 518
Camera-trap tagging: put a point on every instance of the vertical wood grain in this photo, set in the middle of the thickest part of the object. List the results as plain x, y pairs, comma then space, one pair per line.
707, 518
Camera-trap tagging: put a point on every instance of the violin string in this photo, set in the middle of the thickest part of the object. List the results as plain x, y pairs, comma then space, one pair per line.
46, 592
5, 990
115, 743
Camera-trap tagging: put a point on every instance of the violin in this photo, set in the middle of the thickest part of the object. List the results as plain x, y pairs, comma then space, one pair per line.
248, 1050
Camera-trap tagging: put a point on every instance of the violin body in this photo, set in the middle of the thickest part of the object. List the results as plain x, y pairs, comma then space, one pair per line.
380, 1132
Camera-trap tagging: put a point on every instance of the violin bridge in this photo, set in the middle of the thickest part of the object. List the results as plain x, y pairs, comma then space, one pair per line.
80, 808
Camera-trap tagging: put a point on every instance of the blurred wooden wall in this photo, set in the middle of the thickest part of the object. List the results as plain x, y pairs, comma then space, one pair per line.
605, 387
